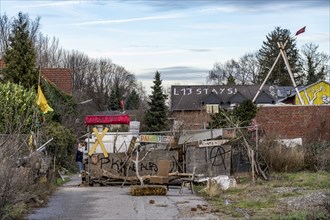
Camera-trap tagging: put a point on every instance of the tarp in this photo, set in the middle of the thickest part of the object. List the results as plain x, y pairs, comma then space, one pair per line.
107, 119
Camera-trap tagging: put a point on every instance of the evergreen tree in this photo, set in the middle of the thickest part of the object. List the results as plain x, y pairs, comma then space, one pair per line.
242, 115
156, 115
231, 80
218, 120
267, 56
133, 101
20, 56
114, 101
245, 112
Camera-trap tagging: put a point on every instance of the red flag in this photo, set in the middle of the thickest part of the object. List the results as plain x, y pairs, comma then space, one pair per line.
122, 104
301, 30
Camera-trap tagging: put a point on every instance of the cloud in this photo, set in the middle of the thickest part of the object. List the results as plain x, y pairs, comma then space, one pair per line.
227, 6
200, 50
176, 73
50, 4
119, 21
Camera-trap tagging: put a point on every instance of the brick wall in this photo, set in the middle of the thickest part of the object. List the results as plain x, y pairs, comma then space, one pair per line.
309, 122
192, 119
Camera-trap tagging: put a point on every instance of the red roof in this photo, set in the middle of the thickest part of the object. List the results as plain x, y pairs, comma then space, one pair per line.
61, 77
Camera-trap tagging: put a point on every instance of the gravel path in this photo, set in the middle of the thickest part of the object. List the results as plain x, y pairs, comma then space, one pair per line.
74, 202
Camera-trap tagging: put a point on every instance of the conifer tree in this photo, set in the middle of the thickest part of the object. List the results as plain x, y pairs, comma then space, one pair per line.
114, 101
231, 80
267, 56
20, 56
156, 115
133, 101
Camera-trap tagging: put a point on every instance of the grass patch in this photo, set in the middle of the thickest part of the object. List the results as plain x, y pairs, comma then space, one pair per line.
263, 201
307, 180
60, 181
14, 211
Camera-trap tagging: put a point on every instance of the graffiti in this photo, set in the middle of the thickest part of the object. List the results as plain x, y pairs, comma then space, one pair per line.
120, 166
218, 156
316, 94
203, 91
156, 139
326, 99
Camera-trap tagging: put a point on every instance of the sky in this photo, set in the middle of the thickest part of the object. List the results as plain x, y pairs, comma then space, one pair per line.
182, 39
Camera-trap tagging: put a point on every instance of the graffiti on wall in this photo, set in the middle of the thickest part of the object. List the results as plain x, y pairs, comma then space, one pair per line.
218, 156
213, 160
203, 91
119, 163
156, 139
318, 94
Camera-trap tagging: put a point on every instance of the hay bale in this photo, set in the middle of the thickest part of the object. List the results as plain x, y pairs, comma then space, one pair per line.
148, 190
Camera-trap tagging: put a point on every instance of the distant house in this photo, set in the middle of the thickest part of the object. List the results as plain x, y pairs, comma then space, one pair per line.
194, 104
315, 94
60, 77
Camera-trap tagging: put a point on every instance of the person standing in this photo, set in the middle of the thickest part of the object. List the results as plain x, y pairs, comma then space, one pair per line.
79, 158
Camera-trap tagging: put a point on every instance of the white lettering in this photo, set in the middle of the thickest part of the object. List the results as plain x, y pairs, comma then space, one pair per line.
184, 91
199, 91
189, 91
174, 92
230, 91
206, 91
221, 90
214, 91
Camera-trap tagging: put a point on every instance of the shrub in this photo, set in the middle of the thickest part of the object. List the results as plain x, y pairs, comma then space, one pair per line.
318, 156
280, 158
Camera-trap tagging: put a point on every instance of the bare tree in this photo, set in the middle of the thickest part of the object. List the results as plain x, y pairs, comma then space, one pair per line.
244, 71
80, 65
315, 64
124, 80
5, 25
218, 75
249, 69
49, 52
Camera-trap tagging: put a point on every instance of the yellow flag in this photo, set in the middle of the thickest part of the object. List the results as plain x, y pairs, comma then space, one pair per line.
42, 102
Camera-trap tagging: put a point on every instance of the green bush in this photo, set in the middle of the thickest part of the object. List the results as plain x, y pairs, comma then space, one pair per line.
318, 156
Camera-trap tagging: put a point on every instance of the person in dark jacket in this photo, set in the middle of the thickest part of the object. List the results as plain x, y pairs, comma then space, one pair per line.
79, 158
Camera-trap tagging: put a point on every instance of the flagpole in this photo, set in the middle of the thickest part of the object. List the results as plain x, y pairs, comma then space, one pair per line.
39, 75
286, 61
270, 71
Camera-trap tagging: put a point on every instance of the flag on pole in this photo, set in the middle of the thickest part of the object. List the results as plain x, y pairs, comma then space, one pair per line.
42, 102
122, 104
301, 30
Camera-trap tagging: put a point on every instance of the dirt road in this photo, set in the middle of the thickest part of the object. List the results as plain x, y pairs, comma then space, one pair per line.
74, 202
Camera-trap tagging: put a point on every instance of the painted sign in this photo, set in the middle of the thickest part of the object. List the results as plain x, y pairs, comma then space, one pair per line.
156, 139
212, 143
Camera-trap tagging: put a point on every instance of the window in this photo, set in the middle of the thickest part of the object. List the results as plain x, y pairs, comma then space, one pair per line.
212, 108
